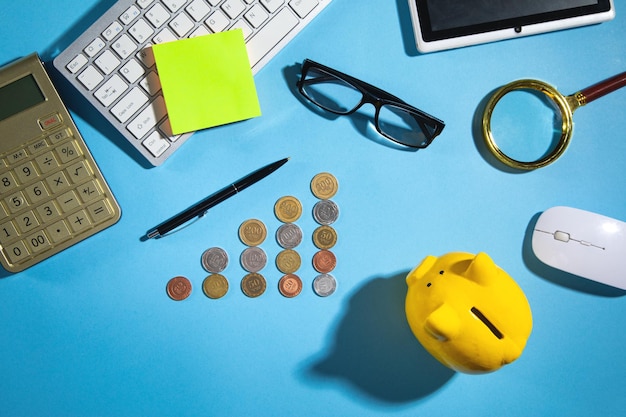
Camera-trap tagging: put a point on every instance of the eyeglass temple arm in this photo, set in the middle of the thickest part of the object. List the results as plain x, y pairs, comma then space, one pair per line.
602, 88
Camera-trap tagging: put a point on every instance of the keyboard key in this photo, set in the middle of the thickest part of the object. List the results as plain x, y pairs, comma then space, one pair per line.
111, 90
124, 46
141, 31
303, 7
181, 24
256, 16
218, 21
164, 35
147, 118
132, 71
76, 64
233, 8
245, 28
151, 83
275, 30
198, 9
94, 47
272, 5
129, 105
174, 5
144, 3
107, 62
112, 31
156, 143
129, 15
157, 15
90, 78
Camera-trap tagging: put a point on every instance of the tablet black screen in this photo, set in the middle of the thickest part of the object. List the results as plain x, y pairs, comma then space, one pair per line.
449, 18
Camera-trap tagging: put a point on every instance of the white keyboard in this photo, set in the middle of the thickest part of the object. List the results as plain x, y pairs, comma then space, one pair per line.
112, 64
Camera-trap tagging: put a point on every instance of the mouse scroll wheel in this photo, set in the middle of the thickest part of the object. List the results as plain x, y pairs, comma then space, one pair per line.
562, 236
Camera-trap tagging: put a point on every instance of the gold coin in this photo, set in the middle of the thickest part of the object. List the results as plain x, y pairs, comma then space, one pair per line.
288, 261
288, 209
290, 285
324, 237
178, 288
252, 232
253, 285
324, 185
215, 286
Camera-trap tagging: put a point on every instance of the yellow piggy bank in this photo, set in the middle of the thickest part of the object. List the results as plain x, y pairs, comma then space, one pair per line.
467, 312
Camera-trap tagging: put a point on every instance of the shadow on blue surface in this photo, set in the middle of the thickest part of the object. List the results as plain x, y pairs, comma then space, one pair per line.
375, 351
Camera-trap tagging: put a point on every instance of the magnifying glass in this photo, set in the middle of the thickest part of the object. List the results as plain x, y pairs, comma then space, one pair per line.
560, 123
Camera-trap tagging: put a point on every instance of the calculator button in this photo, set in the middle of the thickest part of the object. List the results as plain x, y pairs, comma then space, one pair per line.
77, 63
38, 242
7, 183
68, 201
89, 191
68, 152
38, 146
90, 78
8, 232
46, 162
57, 182
59, 136
17, 252
26, 221
26, 172
58, 231
79, 221
48, 211
16, 202
36, 192
79, 171
17, 156
100, 211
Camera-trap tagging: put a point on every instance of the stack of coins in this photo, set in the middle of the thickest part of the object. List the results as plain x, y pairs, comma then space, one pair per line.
288, 210
252, 233
215, 260
325, 212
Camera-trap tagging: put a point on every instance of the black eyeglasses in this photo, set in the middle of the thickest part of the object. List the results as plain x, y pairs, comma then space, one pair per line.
342, 94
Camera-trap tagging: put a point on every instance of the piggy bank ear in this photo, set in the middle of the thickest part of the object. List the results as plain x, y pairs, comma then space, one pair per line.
443, 323
481, 270
421, 270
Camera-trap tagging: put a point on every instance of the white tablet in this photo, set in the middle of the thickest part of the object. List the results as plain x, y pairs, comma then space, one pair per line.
447, 24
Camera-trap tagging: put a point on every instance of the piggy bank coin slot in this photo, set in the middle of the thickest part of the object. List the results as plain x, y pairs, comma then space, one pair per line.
497, 333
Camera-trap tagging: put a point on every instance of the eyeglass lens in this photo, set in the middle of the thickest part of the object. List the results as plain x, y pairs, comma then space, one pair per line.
338, 96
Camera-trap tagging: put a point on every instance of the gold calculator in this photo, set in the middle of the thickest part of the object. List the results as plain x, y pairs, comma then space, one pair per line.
52, 193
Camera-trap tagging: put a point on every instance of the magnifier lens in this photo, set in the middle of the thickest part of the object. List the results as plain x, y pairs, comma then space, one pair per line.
526, 124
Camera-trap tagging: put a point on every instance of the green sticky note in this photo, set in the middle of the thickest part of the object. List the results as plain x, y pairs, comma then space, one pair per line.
207, 81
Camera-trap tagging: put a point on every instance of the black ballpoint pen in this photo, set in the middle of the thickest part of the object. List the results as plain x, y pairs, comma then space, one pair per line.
199, 209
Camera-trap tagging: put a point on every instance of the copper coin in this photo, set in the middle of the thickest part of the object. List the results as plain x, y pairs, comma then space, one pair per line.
324, 261
253, 285
290, 285
288, 209
215, 286
325, 237
178, 288
324, 185
288, 261
252, 232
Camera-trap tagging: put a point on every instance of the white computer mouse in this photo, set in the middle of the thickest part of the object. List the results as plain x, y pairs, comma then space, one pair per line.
582, 243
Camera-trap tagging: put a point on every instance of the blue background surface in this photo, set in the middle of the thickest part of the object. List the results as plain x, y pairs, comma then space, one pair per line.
91, 331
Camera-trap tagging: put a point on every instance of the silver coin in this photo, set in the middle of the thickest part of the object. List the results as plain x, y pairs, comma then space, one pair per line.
214, 260
253, 259
325, 212
289, 235
324, 285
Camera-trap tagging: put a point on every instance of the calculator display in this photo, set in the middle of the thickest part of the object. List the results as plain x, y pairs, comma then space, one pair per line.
18, 96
